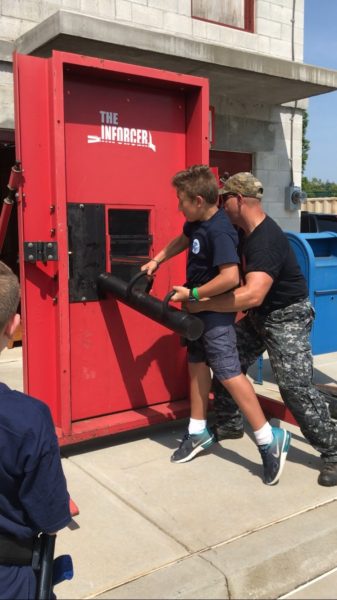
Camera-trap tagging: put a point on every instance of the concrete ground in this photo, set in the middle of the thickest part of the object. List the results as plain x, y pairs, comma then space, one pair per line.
206, 529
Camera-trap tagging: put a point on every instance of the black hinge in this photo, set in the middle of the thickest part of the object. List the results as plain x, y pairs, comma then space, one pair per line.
40, 251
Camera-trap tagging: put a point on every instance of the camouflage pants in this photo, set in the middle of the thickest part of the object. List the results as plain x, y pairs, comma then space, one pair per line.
284, 333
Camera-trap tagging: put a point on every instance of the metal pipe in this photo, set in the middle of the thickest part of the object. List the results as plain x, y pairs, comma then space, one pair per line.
12, 187
180, 321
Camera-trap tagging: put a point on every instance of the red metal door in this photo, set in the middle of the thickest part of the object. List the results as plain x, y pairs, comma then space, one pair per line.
124, 143
109, 135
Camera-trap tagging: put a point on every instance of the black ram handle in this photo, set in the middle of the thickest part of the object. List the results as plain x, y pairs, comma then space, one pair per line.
180, 321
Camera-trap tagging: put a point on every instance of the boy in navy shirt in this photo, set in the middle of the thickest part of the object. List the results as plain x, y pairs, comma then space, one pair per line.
33, 491
212, 269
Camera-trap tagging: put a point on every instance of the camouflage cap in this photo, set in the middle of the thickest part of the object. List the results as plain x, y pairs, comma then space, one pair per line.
242, 183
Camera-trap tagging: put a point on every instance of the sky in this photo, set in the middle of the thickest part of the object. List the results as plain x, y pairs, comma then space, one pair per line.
320, 49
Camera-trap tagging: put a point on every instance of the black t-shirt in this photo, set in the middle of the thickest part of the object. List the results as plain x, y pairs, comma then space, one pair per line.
212, 243
267, 249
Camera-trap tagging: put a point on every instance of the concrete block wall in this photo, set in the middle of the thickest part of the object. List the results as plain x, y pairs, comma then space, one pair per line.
272, 135
264, 131
283, 166
273, 21
6, 96
273, 33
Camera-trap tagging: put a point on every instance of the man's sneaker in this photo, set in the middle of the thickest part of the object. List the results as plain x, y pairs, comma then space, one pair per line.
192, 444
274, 455
222, 432
328, 474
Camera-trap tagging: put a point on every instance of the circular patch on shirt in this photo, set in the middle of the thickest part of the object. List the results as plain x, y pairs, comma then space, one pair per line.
196, 246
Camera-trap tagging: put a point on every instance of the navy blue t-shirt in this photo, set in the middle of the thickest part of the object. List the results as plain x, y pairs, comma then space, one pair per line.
211, 243
33, 490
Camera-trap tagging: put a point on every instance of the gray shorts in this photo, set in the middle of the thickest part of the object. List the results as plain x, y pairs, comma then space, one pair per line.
217, 348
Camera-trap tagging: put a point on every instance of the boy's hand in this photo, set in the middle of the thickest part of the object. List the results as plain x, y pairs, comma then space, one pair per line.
150, 266
181, 293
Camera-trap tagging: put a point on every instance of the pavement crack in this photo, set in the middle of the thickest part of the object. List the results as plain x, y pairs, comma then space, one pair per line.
131, 506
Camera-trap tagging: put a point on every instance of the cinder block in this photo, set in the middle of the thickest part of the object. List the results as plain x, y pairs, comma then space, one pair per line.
280, 48
48, 8
267, 27
123, 10
88, 7
278, 13
263, 9
286, 32
177, 23
244, 40
213, 32
70, 4
27, 10
106, 8
199, 28
284, 3
11, 27
171, 6
184, 8
263, 44
151, 17
226, 35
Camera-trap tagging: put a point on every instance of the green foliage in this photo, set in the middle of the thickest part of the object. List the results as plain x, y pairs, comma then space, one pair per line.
305, 141
316, 188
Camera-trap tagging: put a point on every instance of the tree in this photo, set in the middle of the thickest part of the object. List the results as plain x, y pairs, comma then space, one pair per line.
305, 141
316, 188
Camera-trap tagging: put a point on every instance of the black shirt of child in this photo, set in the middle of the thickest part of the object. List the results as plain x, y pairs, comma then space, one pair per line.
33, 491
267, 249
211, 243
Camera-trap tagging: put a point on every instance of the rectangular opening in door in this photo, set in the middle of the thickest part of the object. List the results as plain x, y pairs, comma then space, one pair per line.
130, 240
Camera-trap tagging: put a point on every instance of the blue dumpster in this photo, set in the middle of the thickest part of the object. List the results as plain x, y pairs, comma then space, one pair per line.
317, 256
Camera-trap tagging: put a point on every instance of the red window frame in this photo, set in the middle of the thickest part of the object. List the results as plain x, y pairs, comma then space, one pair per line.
248, 18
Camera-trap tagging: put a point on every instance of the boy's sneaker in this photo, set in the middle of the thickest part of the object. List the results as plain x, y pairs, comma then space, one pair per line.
274, 455
192, 444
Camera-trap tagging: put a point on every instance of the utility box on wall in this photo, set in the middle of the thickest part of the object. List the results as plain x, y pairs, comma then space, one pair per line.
99, 142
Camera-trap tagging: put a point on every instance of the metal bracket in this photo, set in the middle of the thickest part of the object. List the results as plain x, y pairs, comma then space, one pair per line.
40, 251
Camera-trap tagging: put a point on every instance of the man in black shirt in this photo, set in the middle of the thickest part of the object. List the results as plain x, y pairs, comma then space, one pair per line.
278, 319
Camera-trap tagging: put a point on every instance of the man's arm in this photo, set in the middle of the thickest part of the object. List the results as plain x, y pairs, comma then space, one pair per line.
250, 295
174, 247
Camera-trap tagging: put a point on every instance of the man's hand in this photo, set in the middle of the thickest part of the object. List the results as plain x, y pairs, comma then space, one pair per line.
181, 293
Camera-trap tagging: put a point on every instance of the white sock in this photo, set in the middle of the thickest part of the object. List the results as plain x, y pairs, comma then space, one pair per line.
196, 426
264, 436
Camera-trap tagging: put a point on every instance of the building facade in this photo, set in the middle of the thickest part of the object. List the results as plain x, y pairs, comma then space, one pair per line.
250, 50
